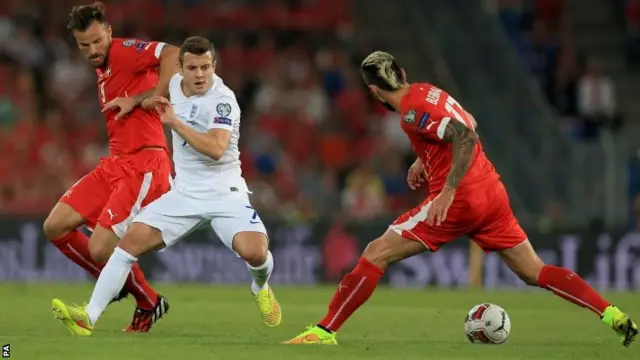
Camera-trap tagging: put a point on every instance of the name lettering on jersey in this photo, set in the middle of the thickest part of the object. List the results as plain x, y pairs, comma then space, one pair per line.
409, 117
423, 120
433, 97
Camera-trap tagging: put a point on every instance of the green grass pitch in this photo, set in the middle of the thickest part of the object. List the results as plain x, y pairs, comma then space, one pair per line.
222, 322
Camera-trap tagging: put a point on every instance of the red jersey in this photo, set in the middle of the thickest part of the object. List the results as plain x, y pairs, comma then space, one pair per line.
426, 110
130, 70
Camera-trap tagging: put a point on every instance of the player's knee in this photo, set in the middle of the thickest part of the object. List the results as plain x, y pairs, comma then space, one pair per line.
530, 273
55, 227
140, 239
52, 229
379, 252
99, 251
62, 220
252, 247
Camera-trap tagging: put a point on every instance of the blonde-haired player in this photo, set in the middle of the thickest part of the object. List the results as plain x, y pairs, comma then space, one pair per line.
466, 198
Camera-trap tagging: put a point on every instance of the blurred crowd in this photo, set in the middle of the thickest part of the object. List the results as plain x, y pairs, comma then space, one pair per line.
311, 138
572, 81
632, 17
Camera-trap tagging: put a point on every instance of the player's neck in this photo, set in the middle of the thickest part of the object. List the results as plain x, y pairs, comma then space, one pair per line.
395, 98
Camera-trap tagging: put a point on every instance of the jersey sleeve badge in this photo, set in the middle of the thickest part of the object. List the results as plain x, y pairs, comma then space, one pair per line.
129, 42
223, 109
409, 117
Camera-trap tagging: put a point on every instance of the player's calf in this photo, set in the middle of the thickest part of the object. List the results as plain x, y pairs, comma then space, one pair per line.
568, 285
357, 286
101, 244
138, 240
252, 247
61, 228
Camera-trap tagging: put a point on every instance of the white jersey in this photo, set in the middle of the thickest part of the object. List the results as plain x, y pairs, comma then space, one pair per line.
198, 175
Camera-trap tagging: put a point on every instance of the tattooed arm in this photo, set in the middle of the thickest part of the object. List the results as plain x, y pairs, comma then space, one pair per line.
463, 141
138, 99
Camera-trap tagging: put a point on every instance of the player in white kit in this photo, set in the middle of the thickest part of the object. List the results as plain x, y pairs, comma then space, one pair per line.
204, 117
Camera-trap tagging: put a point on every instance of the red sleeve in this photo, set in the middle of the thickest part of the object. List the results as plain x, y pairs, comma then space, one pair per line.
139, 54
430, 121
426, 121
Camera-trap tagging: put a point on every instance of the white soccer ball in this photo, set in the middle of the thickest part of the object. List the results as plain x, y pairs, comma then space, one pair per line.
487, 324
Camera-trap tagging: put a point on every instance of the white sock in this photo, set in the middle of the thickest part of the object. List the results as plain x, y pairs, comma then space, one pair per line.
261, 274
110, 282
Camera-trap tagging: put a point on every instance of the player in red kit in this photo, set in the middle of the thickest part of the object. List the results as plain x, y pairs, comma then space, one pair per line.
465, 197
138, 168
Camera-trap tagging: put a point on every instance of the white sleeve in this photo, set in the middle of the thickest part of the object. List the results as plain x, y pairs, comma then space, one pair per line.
226, 113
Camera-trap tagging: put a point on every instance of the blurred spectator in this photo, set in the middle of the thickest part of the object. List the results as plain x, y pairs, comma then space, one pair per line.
340, 251
566, 82
632, 13
596, 101
307, 120
364, 195
542, 58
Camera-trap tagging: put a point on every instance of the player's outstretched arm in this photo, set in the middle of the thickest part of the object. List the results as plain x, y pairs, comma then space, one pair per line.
464, 141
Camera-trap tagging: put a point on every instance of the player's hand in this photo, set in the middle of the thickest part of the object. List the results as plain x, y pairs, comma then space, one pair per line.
124, 104
437, 212
416, 175
150, 103
164, 109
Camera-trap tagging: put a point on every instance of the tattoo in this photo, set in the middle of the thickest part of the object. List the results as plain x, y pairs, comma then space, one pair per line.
142, 96
464, 141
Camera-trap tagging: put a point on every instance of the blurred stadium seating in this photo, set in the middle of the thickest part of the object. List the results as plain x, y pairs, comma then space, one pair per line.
313, 142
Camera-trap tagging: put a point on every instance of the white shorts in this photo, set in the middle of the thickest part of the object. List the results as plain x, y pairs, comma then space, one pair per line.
176, 215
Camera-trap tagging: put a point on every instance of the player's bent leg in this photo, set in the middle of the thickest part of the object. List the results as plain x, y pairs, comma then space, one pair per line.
101, 244
357, 286
253, 247
61, 228
568, 285
139, 239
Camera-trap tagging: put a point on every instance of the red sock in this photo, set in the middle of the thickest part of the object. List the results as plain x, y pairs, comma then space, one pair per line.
75, 246
138, 286
571, 287
355, 288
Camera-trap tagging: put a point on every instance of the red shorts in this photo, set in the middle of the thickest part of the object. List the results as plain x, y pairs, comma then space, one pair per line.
115, 191
484, 215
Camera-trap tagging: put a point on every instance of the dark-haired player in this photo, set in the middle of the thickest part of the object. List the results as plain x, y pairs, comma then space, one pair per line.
466, 198
137, 170
209, 189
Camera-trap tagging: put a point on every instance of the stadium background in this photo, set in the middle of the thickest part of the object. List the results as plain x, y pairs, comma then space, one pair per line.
326, 164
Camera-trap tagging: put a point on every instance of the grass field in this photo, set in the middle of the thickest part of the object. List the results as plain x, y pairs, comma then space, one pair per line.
214, 322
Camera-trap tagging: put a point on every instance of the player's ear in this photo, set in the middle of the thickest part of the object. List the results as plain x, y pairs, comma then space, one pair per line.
214, 65
109, 31
404, 75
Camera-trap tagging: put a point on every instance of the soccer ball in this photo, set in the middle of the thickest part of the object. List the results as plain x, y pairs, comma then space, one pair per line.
487, 324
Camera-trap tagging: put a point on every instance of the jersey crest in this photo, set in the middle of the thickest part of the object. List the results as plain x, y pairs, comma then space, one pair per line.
409, 117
